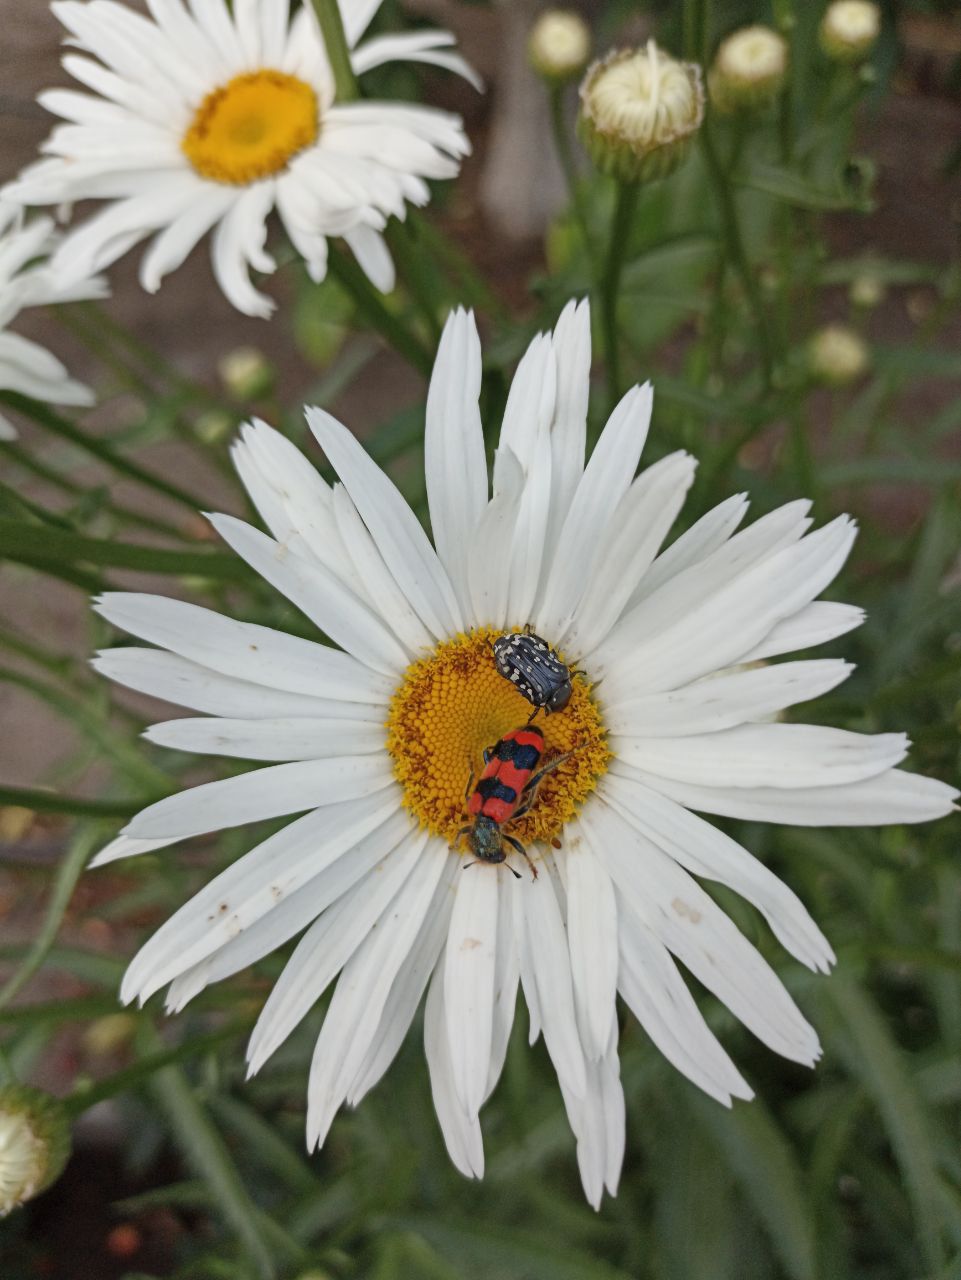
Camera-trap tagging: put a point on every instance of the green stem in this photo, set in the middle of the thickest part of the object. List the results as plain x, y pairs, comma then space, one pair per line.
735, 248
54, 423
52, 802
74, 861
338, 52
695, 30
418, 276
371, 306
7, 1073
610, 282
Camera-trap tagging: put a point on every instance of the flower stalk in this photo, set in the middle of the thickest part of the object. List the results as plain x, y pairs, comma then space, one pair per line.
338, 52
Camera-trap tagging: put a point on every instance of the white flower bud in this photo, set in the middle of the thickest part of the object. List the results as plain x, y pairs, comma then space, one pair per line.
639, 111
837, 356
34, 1144
867, 291
849, 29
749, 68
560, 45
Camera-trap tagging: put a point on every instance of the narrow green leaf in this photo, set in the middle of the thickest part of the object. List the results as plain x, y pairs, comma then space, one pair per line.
34, 544
793, 188
54, 802
205, 1152
764, 1164
68, 873
877, 1062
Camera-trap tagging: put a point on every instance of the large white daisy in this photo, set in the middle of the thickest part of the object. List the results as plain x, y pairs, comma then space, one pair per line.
26, 280
373, 742
204, 118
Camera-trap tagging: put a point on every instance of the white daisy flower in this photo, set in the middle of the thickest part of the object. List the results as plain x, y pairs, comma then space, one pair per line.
373, 743
27, 280
204, 118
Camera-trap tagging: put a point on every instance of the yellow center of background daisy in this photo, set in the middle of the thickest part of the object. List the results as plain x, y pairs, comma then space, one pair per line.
251, 127
453, 705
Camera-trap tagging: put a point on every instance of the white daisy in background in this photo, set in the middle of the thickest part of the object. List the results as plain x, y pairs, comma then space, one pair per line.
373, 740
26, 280
204, 118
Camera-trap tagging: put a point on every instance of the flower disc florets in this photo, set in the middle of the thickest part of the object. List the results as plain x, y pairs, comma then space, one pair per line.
34, 1144
639, 111
849, 29
452, 706
559, 45
749, 69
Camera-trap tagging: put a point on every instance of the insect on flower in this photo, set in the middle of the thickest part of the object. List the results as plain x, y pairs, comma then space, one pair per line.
535, 670
505, 791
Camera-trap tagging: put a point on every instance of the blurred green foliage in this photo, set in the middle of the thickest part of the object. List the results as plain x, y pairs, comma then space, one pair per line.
849, 1172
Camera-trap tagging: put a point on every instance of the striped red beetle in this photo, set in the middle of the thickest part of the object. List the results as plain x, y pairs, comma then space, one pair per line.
504, 792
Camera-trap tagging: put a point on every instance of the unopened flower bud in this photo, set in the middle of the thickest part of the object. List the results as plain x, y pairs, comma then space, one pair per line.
837, 356
867, 291
639, 111
849, 29
749, 69
246, 373
559, 45
34, 1144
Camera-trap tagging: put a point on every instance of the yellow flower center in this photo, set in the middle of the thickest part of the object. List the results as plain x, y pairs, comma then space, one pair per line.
251, 127
453, 705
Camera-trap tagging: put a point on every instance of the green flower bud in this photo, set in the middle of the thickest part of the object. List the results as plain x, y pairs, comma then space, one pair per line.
246, 373
639, 111
749, 69
837, 356
849, 29
34, 1144
559, 46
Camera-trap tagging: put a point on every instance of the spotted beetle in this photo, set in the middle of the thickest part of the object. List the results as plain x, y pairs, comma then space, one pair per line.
504, 792
535, 670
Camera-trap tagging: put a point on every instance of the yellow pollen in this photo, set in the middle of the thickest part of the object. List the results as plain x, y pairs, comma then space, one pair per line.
453, 705
251, 127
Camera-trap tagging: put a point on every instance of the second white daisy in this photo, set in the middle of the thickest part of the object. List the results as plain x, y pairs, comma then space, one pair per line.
205, 120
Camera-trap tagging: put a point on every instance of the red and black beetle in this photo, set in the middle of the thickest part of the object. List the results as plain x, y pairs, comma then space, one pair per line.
504, 792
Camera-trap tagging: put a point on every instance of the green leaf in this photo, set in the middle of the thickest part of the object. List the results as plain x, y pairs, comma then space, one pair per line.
33, 544
206, 1153
795, 189
877, 1062
54, 802
764, 1164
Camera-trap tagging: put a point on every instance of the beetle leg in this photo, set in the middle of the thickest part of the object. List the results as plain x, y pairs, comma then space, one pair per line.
533, 714
470, 780
532, 783
516, 844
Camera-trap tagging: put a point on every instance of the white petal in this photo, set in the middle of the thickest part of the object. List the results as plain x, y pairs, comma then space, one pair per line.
292, 738
174, 242
244, 650
489, 584
327, 946
703, 538
598, 1122
400, 539
462, 1135
410, 982
250, 887
238, 245
627, 549
272, 792
123, 847
707, 852
606, 479
370, 249
656, 994
187, 684
506, 978
592, 938
766, 755
717, 632
455, 465
723, 701
894, 796
326, 874
691, 925
545, 962
815, 624
572, 356
683, 592
318, 593
361, 993
469, 982
357, 15
530, 407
